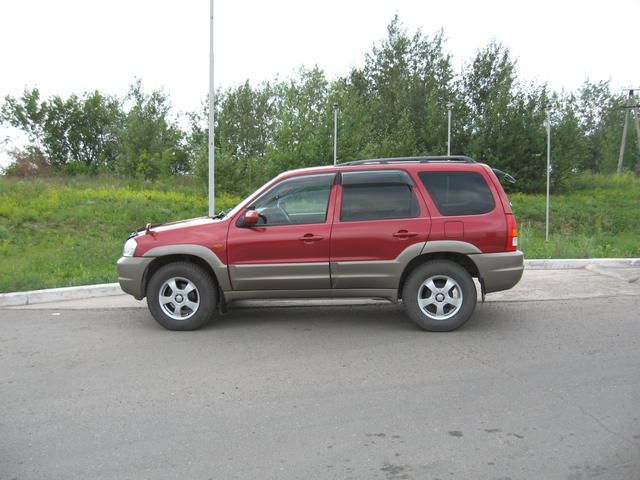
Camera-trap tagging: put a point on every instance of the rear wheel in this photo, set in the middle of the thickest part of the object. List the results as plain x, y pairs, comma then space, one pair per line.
439, 296
181, 296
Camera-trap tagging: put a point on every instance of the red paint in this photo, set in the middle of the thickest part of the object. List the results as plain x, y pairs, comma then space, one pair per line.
345, 241
376, 239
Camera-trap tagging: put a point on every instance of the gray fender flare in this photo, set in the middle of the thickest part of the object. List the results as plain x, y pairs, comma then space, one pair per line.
219, 269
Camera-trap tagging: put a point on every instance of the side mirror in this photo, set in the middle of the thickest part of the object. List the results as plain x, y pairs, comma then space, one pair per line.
251, 218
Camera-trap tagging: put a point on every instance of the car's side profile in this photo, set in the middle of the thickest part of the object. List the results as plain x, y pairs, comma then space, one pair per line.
416, 229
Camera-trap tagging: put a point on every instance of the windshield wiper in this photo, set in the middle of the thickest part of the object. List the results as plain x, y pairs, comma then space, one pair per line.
220, 214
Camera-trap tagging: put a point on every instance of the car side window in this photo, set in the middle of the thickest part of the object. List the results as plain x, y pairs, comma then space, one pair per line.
458, 193
377, 195
295, 201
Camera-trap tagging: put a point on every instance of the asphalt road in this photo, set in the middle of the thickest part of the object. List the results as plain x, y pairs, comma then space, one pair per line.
526, 390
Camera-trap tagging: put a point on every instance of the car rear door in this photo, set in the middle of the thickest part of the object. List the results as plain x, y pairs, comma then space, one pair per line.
381, 222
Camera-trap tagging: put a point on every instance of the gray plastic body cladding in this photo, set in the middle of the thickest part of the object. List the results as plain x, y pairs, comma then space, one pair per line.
376, 274
131, 273
372, 279
450, 246
500, 271
219, 268
280, 276
387, 273
386, 294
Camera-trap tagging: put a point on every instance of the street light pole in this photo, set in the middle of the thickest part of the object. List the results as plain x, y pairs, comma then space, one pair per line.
548, 125
449, 107
630, 110
212, 184
335, 133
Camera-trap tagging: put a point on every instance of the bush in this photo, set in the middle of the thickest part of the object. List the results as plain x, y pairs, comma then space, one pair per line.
589, 181
27, 164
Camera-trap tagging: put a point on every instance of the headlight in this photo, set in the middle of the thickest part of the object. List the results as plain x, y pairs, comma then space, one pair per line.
129, 247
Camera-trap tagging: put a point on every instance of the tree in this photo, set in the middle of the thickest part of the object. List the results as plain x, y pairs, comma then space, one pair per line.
77, 133
401, 95
28, 114
150, 142
303, 119
488, 86
394, 104
245, 133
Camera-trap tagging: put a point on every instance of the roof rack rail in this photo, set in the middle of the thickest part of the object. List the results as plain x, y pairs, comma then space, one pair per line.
436, 159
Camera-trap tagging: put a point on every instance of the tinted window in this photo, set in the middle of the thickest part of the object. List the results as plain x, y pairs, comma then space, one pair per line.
296, 200
379, 177
377, 196
458, 193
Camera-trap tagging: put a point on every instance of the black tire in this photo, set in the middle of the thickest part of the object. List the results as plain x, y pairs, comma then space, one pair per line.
183, 308
446, 306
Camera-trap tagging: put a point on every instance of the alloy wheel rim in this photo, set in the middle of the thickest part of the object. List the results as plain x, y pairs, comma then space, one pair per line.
440, 297
179, 298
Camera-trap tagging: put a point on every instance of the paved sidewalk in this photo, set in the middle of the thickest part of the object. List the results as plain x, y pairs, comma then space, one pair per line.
536, 285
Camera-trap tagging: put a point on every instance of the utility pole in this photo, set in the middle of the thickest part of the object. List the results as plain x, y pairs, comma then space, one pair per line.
335, 133
630, 110
548, 125
212, 153
449, 108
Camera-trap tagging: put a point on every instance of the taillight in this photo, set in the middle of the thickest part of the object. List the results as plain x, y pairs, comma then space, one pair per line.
512, 234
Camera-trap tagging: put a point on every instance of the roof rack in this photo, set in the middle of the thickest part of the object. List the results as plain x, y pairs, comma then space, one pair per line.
437, 159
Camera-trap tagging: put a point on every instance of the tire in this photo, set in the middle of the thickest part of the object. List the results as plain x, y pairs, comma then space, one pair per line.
439, 296
182, 296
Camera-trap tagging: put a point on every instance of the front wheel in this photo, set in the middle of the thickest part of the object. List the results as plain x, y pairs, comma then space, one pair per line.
439, 296
181, 296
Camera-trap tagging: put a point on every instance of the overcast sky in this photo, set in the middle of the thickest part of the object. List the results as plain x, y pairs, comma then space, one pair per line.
67, 46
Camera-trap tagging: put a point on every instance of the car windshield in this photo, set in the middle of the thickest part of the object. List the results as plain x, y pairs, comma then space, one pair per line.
254, 195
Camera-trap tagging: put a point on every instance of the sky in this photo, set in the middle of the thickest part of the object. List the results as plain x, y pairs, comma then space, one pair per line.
72, 46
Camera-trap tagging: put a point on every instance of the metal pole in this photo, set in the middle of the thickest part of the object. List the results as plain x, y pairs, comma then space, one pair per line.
335, 133
546, 235
449, 107
624, 141
212, 154
634, 112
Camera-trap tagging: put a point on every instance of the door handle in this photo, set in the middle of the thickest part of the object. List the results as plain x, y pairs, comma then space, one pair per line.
404, 234
310, 237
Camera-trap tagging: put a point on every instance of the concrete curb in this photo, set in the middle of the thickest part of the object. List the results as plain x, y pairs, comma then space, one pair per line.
575, 263
619, 273
110, 289
59, 294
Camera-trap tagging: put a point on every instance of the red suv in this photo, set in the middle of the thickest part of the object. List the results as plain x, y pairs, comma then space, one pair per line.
416, 229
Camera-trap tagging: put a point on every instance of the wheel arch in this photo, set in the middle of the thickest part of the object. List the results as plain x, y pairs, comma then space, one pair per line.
196, 254
460, 258
160, 262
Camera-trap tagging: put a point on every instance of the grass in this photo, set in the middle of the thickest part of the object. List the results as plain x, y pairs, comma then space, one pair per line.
57, 232
598, 217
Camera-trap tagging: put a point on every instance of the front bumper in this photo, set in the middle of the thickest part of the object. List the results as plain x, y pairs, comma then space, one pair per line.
499, 271
131, 272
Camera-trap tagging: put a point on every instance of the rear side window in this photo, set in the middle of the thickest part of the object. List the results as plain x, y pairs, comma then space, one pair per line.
377, 196
458, 193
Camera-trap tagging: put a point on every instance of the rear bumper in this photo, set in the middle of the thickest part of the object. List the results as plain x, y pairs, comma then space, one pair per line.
499, 271
131, 272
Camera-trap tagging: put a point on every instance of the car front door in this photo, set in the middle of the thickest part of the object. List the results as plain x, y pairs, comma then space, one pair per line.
288, 249
381, 223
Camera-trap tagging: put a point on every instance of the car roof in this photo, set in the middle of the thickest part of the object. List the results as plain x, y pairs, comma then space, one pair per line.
430, 159
385, 163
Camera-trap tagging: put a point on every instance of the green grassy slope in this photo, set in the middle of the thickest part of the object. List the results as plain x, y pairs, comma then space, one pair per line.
68, 231
600, 217
60, 232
